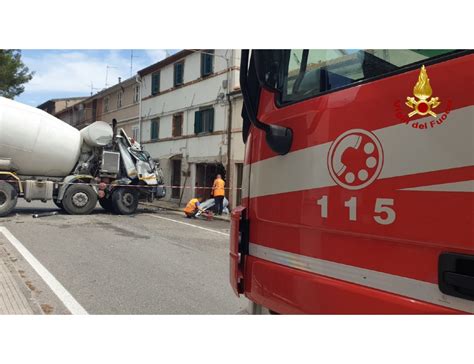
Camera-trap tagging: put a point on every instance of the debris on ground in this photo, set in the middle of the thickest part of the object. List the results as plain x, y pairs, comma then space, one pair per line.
44, 214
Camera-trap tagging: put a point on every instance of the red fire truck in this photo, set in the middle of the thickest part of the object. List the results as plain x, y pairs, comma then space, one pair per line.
358, 192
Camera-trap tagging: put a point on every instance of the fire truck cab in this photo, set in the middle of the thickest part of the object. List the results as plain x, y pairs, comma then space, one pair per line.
358, 188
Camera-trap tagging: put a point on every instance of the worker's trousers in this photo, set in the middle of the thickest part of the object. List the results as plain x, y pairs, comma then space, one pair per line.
219, 204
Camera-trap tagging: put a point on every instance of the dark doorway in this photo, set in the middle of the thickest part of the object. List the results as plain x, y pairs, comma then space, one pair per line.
205, 175
175, 178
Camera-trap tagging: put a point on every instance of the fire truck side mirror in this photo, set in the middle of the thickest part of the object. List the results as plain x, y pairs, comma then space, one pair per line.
279, 139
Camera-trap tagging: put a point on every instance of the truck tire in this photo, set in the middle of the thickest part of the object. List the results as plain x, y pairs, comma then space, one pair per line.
106, 204
79, 199
8, 198
125, 201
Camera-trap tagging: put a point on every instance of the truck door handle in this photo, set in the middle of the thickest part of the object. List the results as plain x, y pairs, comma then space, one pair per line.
459, 280
456, 275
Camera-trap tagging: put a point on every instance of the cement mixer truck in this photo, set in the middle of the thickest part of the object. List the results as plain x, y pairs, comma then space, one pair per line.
43, 158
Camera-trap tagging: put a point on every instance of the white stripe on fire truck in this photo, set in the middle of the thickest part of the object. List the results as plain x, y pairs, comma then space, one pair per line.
403, 286
464, 186
407, 151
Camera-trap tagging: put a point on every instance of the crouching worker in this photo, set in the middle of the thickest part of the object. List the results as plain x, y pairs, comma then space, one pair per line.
192, 207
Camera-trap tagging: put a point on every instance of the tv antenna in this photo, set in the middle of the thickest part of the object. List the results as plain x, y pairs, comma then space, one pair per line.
107, 74
131, 62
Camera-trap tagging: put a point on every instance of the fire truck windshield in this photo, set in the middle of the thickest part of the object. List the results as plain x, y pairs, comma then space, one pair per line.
306, 73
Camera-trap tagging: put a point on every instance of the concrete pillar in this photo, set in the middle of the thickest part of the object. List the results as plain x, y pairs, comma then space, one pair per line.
192, 168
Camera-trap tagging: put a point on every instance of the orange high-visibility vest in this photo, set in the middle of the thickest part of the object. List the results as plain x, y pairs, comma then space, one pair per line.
191, 206
218, 187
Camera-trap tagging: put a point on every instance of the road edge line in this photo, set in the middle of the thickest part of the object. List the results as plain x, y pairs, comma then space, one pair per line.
58, 289
185, 223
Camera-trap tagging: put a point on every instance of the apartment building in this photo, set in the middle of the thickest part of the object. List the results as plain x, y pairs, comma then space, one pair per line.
119, 102
54, 106
190, 121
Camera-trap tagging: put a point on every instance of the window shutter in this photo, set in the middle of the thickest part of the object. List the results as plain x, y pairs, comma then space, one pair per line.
203, 64
197, 122
155, 83
209, 64
178, 73
211, 120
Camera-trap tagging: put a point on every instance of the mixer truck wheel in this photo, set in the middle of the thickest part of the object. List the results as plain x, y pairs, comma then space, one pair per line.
8, 198
125, 201
79, 199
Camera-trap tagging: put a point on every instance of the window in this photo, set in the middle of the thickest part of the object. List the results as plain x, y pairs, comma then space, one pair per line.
204, 121
136, 93
178, 73
155, 83
308, 73
207, 58
119, 99
177, 125
155, 129
106, 104
135, 133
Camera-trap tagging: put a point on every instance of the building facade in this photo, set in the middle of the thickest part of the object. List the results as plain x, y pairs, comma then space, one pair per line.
55, 106
119, 102
190, 121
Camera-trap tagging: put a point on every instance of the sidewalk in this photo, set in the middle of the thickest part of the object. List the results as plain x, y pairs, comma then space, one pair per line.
13, 300
173, 206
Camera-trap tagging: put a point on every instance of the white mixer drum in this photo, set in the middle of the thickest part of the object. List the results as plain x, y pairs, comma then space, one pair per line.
37, 143
98, 134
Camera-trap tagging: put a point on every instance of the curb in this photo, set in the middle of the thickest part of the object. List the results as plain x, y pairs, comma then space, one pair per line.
181, 210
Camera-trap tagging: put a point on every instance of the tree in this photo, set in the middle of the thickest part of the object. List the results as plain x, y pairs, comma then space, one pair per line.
13, 73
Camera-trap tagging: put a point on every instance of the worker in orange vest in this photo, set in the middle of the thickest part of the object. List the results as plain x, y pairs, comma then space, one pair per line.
218, 193
192, 207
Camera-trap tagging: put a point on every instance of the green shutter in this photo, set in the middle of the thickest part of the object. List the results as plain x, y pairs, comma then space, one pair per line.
154, 130
155, 83
197, 122
178, 73
209, 64
211, 120
206, 63
203, 64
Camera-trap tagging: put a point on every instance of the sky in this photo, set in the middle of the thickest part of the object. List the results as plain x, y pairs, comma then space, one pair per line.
68, 73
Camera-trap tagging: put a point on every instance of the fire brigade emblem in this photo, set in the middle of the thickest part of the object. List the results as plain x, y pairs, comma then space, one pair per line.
422, 103
355, 159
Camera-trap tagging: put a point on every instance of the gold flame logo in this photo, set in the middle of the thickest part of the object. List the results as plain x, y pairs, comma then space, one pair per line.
422, 92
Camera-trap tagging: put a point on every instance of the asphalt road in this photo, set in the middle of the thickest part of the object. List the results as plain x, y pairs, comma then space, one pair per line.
140, 264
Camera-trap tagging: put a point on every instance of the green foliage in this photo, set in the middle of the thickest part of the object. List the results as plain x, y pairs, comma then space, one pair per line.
13, 73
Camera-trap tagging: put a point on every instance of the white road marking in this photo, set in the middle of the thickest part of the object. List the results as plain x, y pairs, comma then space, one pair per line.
185, 223
67, 299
